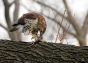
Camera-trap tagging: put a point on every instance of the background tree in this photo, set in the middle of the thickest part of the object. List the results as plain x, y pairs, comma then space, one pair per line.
15, 35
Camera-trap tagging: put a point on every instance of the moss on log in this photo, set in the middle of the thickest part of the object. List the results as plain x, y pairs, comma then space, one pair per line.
23, 52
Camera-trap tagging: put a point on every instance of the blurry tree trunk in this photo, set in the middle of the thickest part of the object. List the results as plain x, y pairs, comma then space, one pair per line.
15, 17
7, 18
12, 35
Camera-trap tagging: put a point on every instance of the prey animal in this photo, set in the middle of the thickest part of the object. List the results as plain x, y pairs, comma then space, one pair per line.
32, 23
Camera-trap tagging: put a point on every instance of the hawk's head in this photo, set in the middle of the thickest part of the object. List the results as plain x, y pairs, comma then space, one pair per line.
27, 22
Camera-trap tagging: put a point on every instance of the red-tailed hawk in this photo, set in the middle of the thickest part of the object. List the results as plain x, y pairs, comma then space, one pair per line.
33, 23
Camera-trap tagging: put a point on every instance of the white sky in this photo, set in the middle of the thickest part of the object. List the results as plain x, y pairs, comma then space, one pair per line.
78, 7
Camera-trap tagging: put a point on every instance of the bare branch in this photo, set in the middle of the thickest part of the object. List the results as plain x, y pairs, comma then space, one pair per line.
71, 19
3, 27
59, 13
5, 2
15, 17
11, 3
16, 10
7, 16
85, 25
64, 33
59, 29
64, 28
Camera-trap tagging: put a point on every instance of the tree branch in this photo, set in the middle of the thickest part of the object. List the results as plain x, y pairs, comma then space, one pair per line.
11, 3
16, 10
85, 25
71, 19
15, 17
4, 27
59, 13
59, 29
64, 28
7, 18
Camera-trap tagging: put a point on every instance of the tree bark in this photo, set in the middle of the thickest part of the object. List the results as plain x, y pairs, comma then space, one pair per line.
15, 18
13, 35
23, 52
7, 18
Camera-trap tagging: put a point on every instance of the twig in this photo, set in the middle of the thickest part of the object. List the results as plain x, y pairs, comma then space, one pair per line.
43, 4
59, 29
54, 20
64, 33
3, 27
85, 25
71, 19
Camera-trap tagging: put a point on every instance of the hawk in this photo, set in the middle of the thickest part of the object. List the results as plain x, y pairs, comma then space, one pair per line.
32, 23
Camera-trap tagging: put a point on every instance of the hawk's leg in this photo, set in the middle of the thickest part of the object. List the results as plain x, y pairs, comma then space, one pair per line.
36, 38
